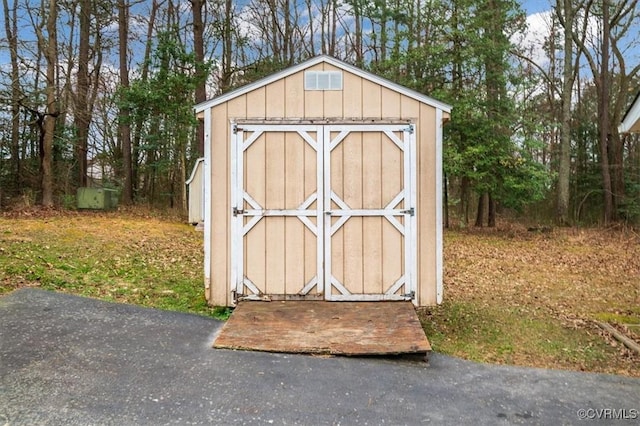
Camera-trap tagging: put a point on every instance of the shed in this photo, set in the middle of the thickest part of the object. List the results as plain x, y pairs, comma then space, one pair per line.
323, 182
195, 188
631, 121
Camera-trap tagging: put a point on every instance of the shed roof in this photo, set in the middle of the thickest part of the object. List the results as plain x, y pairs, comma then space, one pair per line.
631, 121
312, 62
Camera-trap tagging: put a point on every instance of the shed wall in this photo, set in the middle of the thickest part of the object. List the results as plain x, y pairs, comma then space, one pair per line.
360, 100
196, 193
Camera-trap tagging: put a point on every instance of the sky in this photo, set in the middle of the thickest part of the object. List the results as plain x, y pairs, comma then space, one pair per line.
535, 6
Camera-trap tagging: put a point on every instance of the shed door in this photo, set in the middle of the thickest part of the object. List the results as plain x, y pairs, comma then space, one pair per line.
369, 199
323, 211
277, 218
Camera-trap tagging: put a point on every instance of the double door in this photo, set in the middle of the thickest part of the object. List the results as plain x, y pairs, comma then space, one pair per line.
323, 211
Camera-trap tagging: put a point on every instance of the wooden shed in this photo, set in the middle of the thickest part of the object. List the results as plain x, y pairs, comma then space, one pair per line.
323, 182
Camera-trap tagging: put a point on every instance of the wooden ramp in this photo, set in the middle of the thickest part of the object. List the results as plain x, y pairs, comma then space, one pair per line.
318, 327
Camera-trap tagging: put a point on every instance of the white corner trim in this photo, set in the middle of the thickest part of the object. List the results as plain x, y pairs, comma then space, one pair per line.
207, 197
439, 224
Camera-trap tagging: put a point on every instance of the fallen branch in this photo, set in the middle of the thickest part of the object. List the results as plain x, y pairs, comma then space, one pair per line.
620, 337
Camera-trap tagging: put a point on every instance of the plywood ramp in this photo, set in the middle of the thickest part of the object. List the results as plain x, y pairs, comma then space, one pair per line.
319, 327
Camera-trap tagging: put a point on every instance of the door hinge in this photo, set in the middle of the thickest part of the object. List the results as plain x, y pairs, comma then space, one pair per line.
410, 129
411, 295
237, 211
410, 212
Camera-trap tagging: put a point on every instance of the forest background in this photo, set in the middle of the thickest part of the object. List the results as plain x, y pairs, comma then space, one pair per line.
101, 93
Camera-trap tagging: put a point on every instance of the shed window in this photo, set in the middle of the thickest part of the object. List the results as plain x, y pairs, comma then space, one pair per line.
323, 80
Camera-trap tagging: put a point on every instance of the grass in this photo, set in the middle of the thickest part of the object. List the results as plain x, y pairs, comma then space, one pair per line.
511, 297
125, 258
515, 297
510, 336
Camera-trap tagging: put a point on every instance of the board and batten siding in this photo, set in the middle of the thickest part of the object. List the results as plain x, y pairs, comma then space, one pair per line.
361, 100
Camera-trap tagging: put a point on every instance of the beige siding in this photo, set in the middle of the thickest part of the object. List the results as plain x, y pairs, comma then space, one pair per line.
256, 105
371, 99
390, 103
220, 222
275, 99
364, 184
294, 102
352, 96
426, 207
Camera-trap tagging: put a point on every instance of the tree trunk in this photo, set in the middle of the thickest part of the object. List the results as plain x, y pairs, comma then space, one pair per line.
480, 212
51, 56
491, 217
564, 166
445, 200
227, 50
198, 47
358, 48
616, 163
11, 29
334, 25
136, 137
603, 119
183, 183
82, 116
464, 199
124, 126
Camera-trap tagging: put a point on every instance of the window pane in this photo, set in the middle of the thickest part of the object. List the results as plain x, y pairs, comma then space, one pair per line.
310, 80
336, 80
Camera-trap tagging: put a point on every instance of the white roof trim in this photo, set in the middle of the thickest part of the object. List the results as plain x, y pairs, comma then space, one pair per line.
312, 62
631, 121
195, 169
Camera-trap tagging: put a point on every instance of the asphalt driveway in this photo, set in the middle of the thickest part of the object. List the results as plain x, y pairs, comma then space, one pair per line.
77, 361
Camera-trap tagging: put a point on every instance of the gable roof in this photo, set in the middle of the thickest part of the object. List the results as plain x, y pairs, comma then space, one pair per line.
312, 62
631, 121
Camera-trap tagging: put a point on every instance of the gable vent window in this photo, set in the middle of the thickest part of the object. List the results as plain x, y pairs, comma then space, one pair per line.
323, 80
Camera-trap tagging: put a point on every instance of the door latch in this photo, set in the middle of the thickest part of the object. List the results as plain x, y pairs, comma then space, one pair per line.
410, 212
237, 211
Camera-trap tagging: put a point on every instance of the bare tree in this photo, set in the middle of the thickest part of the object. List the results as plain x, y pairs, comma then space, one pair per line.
49, 46
603, 117
11, 29
82, 114
565, 12
124, 125
198, 47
